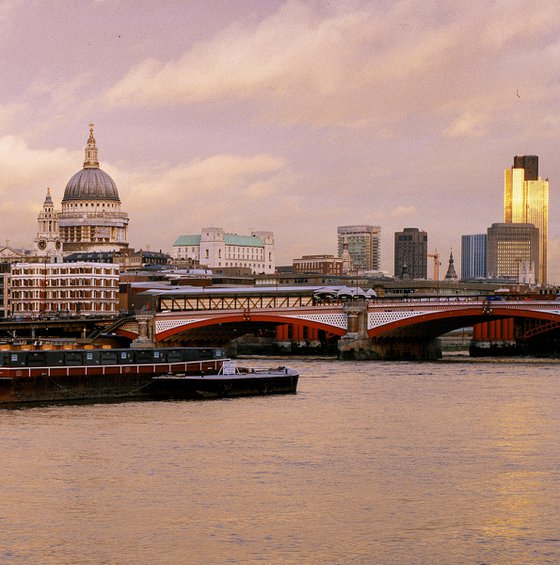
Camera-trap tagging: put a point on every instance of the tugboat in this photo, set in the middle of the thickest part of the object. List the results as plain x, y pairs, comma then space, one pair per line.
86, 375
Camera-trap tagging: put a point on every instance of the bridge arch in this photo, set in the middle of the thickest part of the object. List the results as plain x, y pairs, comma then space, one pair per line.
438, 323
246, 318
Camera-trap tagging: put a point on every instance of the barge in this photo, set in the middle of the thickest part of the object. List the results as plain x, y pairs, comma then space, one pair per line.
95, 375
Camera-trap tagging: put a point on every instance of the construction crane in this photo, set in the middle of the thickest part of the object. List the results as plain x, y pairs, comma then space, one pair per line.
435, 257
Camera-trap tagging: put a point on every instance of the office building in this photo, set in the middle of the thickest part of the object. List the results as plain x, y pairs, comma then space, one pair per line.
214, 248
526, 202
411, 254
320, 264
513, 252
473, 256
364, 246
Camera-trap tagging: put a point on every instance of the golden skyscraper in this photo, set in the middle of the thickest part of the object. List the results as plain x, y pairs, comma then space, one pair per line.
526, 202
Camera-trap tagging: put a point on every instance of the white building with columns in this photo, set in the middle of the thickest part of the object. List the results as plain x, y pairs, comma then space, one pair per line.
215, 248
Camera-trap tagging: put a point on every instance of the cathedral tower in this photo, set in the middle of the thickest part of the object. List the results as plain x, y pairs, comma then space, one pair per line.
47, 241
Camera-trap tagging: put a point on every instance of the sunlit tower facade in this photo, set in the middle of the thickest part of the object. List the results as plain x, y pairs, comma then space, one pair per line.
513, 252
526, 202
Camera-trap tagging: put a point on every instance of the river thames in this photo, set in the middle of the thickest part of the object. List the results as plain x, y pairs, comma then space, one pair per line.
370, 462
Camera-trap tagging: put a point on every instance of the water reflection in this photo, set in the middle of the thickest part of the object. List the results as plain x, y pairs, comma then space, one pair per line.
368, 463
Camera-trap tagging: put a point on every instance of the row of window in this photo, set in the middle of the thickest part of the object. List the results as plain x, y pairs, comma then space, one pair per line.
37, 307
53, 295
43, 282
234, 252
40, 271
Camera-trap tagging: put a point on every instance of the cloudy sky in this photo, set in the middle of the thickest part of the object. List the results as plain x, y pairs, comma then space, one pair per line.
294, 117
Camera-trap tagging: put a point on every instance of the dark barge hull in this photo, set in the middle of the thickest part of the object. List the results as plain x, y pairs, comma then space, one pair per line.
84, 388
183, 387
91, 382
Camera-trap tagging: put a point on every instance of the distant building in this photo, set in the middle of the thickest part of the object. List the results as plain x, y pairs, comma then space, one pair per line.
513, 252
473, 257
11, 255
364, 246
411, 254
53, 288
127, 259
526, 202
214, 248
320, 264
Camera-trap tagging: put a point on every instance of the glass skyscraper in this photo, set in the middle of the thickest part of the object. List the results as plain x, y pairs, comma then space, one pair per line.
473, 256
526, 202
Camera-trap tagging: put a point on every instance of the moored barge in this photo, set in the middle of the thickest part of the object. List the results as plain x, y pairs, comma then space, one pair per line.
74, 375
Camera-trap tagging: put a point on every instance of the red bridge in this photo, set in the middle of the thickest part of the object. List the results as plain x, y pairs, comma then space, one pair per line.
378, 328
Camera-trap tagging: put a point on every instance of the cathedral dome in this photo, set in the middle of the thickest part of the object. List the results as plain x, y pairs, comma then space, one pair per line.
91, 183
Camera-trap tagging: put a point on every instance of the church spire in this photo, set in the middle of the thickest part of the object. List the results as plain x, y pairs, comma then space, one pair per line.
451, 273
48, 198
91, 161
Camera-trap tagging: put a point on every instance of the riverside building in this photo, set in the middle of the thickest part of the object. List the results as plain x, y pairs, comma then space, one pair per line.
215, 248
38, 289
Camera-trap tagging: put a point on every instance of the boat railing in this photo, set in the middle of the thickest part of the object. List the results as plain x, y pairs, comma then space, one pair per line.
230, 367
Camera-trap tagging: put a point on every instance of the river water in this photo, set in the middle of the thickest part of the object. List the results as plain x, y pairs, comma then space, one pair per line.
370, 462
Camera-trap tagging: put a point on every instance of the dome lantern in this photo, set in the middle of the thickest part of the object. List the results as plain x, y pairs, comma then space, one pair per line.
91, 160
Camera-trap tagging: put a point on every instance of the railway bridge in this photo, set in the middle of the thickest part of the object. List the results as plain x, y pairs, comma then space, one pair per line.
375, 329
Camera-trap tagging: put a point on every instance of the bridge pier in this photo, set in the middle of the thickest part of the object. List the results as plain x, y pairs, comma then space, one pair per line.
356, 344
145, 332
416, 349
389, 349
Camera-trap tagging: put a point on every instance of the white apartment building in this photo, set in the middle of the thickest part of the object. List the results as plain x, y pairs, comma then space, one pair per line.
217, 249
89, 289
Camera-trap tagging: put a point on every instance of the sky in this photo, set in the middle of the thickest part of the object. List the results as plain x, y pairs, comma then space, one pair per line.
294, 117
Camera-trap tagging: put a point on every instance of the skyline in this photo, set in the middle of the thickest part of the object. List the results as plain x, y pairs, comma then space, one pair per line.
293, 117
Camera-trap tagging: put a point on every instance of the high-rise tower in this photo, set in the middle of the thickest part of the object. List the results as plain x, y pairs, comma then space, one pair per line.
411, 254
473, 256
363, 244
513, 252
526, 202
